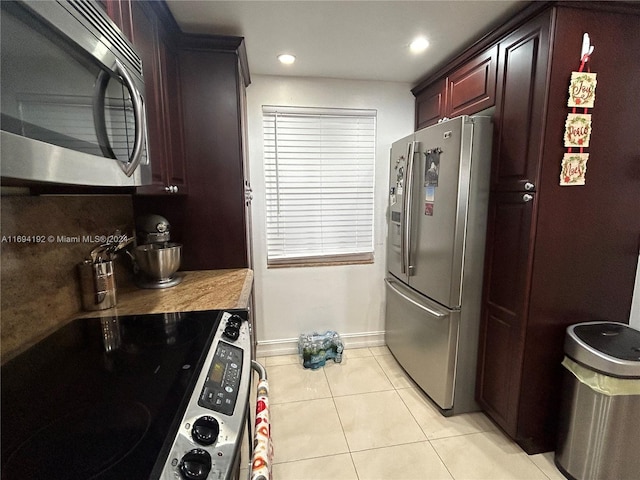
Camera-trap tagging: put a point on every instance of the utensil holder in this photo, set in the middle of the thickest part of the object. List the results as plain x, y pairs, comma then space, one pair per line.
97, 285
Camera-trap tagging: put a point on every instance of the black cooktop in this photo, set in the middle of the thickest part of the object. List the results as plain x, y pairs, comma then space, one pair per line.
101, 397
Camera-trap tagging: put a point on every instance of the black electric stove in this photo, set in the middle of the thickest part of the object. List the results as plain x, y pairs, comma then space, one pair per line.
102, 398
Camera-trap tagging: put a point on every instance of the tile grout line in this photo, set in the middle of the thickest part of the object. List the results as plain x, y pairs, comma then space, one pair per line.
344, 434
416, 420
397, 389
425, 435
426, 438
538, 467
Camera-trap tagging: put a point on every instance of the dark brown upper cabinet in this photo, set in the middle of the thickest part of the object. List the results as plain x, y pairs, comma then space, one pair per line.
519, 107
472, 87
173, 171
144, 24
466, 90
430, 104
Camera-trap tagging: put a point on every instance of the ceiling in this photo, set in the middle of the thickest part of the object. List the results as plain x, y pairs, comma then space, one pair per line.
350, 39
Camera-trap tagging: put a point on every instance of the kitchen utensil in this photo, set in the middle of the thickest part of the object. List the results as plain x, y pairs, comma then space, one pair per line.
152, 229
158, 262
97, 285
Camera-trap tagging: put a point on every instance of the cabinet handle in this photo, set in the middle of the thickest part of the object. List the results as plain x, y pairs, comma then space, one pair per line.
527, 198
171, 189
529, 186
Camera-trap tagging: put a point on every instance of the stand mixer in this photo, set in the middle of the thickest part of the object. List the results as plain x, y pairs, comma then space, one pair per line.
156, 259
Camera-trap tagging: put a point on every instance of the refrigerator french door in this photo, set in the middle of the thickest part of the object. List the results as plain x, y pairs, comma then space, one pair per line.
439, 188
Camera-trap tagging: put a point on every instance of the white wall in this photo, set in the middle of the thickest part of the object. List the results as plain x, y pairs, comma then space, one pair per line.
350, 298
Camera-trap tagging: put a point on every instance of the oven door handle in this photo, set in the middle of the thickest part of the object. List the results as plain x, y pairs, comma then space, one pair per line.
257, 366
263, 449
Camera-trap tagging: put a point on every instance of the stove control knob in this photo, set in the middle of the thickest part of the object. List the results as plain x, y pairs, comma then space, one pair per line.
195, 465
232, 328
205, 430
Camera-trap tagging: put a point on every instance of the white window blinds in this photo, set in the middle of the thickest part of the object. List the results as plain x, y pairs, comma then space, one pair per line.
319, 179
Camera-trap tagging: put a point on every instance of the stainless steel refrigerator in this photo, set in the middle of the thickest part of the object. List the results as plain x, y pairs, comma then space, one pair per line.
438, 197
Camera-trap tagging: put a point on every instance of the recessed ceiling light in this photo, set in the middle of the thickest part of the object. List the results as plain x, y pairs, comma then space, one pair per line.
286, 58
419, 44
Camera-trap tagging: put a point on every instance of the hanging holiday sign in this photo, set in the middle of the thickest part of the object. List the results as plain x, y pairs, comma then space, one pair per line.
574, 168
582, 90
577, 130
577, 127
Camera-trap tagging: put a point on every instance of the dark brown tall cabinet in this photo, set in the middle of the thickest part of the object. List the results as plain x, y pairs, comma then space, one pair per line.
212, 220
556, 255
195, 97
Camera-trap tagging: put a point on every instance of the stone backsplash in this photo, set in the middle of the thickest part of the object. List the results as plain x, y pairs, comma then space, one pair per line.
43, 239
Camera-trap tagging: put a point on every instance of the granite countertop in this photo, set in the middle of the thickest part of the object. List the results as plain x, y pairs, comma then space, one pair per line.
199, 290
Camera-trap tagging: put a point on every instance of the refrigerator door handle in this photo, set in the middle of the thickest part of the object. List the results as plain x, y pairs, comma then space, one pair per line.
412, 301
405, 243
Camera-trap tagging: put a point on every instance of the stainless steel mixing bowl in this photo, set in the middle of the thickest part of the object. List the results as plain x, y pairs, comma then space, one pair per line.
158, 261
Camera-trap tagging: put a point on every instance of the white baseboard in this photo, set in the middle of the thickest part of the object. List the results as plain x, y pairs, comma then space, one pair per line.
289, 346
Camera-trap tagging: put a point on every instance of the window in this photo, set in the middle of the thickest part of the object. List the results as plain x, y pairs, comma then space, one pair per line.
319, 179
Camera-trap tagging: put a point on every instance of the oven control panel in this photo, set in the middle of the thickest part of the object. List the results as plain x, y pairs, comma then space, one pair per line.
207, 444
220, 390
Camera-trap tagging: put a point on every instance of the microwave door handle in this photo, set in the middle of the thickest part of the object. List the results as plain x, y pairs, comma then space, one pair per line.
138, 114
99, 119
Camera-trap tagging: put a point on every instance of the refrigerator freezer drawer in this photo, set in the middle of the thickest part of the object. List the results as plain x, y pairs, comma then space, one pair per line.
423, 336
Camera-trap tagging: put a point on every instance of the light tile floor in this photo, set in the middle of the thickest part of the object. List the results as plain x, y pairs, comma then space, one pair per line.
364, 419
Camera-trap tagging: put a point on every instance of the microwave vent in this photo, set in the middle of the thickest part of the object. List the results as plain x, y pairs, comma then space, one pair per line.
109, 32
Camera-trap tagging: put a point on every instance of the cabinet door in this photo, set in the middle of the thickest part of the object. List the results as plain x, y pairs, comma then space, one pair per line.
175, 175
120, 12
504, 309
163, 104
430, 104
214, 211
520, 105
472, 87
145, 40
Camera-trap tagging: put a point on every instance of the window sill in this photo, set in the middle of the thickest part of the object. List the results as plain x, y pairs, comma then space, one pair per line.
319, 263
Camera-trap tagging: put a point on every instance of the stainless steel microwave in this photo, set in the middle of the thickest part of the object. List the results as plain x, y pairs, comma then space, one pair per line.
72, 95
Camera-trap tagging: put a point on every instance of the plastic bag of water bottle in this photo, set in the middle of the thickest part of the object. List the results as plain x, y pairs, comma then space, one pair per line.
315, 348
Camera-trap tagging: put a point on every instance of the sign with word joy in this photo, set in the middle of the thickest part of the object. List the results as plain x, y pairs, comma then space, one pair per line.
582, 90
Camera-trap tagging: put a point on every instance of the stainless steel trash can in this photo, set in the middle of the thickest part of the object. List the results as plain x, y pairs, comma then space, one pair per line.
599, 428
